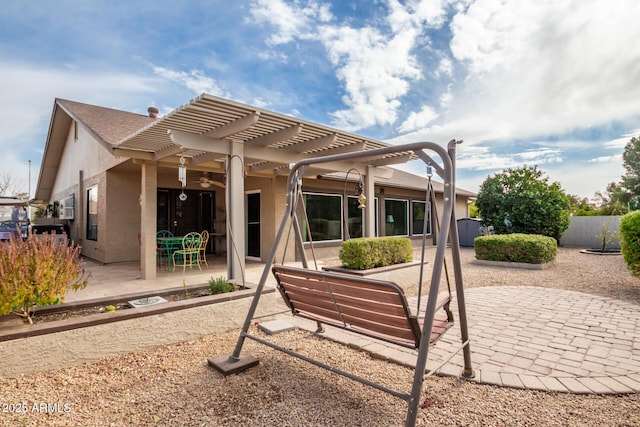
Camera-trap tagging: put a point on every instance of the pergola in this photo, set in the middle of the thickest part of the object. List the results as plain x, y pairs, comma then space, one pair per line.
217, 135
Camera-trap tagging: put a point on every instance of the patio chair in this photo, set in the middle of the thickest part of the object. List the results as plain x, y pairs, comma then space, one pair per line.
164, 233
162, 250
202, 252
188, 256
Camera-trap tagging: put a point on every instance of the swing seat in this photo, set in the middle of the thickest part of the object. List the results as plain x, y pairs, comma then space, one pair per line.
375, 308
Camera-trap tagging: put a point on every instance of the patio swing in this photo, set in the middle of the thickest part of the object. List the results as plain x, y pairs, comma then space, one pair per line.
375, 308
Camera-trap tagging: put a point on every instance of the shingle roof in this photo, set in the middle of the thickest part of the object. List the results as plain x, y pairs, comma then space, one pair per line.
402, 179
107, 123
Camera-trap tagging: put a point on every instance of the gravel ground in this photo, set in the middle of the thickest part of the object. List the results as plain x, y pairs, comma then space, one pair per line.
172, 385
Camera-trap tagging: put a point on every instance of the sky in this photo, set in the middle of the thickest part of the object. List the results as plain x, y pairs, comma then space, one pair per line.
547, 83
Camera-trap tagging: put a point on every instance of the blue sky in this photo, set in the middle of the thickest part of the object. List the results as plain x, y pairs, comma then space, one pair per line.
553, 83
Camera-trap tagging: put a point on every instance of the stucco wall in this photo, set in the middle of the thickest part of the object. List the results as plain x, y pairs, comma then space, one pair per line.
85, 154
120, 235
83, 165
586, 231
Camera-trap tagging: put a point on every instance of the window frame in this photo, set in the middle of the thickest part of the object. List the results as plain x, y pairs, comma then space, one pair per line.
427, 213
92, 213
406, 215
341, 217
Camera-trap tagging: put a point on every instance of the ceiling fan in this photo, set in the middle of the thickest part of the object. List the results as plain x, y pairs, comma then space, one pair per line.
206, 181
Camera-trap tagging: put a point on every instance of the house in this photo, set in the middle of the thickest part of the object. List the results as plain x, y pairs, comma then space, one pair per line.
115, 175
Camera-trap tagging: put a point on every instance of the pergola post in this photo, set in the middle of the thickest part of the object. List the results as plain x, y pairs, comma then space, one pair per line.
235, 212
370, 210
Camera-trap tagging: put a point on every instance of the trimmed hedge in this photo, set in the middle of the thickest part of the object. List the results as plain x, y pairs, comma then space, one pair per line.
372, 252
517, 247
630, 241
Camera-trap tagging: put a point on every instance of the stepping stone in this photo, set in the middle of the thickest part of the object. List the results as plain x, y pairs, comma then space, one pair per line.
145, 302
276, 326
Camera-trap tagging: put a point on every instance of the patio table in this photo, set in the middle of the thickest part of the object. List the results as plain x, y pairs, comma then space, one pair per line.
168, 245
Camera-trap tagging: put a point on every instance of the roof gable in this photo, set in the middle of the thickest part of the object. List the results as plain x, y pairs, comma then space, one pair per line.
107, 124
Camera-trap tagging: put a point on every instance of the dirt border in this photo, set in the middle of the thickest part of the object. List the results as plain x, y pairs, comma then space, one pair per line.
25, 331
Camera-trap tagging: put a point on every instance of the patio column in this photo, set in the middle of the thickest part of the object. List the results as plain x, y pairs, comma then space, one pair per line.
148, 219
235, 212
370, 210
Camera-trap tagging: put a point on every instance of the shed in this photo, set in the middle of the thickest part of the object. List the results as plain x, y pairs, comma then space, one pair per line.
468, 230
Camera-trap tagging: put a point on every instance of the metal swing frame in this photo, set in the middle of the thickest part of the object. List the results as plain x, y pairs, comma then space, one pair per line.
237, 362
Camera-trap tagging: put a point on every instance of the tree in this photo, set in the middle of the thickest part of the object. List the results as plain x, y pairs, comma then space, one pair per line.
581, 206
522, 200
473, 210
631, 162
8, 184
614, 200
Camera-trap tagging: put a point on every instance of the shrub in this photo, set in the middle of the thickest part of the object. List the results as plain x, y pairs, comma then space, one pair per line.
630, 241
371, 252
527, 248
37, 272
522, 200
220, 285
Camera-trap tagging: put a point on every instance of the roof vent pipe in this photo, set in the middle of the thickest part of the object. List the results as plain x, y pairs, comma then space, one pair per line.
153, 112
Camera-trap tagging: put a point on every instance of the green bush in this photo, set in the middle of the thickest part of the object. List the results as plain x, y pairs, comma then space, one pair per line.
371, 252
220, 285
517, 247
37, 272
522, 200
630, 241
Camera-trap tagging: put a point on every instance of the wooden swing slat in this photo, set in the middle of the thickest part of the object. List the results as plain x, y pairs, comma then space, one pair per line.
375, 308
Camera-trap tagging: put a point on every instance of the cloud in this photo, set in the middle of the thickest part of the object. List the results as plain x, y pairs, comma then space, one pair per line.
480, 158
419, 120
547, 67
375, 63
607, 159
375, 70
621, 143
194, 80
290, 21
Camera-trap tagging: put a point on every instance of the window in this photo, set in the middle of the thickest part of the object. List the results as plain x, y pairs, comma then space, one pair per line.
66, 208
396, 217
356, 216
376, 222
420, 213
324, 213
92, 213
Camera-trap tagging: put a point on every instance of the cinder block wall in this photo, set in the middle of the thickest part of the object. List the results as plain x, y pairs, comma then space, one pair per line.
586, 232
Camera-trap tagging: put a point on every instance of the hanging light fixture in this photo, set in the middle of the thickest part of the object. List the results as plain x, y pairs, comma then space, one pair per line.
362, 199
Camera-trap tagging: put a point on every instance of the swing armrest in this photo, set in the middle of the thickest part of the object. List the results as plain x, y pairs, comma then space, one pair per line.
442, 321
443, 301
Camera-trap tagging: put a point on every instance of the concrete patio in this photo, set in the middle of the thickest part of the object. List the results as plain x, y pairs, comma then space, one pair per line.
523, 337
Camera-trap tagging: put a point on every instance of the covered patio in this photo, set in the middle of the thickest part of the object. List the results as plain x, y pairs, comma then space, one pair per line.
239, 148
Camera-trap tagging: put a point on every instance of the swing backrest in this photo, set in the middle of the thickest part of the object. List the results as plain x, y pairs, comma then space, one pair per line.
371, 307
